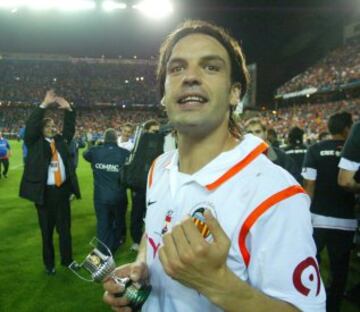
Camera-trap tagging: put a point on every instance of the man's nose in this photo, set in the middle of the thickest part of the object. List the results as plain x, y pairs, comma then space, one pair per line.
192, 76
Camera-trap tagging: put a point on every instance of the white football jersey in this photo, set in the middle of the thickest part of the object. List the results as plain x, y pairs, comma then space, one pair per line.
263, 211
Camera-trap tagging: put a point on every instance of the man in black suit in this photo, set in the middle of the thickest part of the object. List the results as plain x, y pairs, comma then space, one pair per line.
49, 177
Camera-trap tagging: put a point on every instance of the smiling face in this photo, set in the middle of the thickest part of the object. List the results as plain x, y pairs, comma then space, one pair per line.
49, 129
198, 89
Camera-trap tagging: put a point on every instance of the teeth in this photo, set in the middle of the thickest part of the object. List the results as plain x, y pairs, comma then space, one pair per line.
192, 99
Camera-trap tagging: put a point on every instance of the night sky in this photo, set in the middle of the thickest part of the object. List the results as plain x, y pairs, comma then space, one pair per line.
282, 37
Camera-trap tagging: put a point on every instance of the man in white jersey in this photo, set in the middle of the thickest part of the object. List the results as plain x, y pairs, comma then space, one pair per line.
124, 140
251, 246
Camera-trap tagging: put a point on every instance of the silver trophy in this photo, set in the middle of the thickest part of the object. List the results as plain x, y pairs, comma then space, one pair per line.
101, 266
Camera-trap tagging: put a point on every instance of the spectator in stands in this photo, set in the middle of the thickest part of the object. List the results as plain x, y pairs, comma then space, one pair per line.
106, 160
296, 149
5, 153
256, 127
49, 177
332, 207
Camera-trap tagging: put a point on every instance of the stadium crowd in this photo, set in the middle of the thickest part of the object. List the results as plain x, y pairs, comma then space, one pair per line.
89, 119
81, 82
312, 118
338, 67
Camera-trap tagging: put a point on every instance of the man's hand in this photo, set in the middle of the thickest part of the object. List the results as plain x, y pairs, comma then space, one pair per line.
63, 104
137, 271
187, 257
50, 97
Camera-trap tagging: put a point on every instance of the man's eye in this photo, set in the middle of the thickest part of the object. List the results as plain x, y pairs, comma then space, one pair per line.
176, 69
212, 67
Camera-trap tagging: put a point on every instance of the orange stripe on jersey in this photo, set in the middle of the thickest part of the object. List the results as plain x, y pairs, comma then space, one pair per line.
151, 173
239, 166
259, 211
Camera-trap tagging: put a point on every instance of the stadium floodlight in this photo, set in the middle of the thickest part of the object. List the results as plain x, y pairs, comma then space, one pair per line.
155, 8
40, 4
75, 5
110, 5
11, 4
63, 5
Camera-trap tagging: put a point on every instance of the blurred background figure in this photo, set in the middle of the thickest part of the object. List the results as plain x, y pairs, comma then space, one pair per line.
296, 149
256, 127
106, 160
124, 140
5, 153
332, 207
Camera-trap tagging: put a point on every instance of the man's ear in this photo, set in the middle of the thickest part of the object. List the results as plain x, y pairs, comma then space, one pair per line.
235, 94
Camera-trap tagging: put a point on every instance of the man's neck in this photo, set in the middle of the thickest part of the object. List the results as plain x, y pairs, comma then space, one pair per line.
338, 137
195, 152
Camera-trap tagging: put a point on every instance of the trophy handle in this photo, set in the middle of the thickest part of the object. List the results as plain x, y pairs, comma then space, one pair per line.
74, 267
95, 241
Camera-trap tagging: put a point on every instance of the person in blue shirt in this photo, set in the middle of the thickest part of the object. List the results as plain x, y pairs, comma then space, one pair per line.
5, 153
109, 196
21, 135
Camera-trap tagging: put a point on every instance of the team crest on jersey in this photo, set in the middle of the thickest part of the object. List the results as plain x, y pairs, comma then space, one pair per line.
197, 215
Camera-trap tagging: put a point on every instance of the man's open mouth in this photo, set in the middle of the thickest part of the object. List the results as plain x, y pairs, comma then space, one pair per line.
195, 99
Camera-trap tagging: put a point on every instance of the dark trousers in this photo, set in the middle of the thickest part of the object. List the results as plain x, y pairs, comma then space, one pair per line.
55, 213
339, 244
137, 214
5, 162
110, 225
123, 209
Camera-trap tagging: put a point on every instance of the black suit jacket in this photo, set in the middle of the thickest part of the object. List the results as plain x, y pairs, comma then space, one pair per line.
37, 162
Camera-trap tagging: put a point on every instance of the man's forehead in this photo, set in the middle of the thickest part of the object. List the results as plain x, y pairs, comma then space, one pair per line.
198, 45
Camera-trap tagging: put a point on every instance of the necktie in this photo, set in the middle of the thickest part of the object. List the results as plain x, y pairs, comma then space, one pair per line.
55, 162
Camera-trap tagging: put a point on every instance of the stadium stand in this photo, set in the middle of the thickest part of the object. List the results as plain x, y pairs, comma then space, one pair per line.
117, 82
341, 66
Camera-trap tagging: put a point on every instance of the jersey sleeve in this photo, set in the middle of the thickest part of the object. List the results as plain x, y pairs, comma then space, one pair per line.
309, 168
351, 150
283, 261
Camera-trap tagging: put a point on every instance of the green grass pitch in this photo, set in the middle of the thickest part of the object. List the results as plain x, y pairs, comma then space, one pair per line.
23, 284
